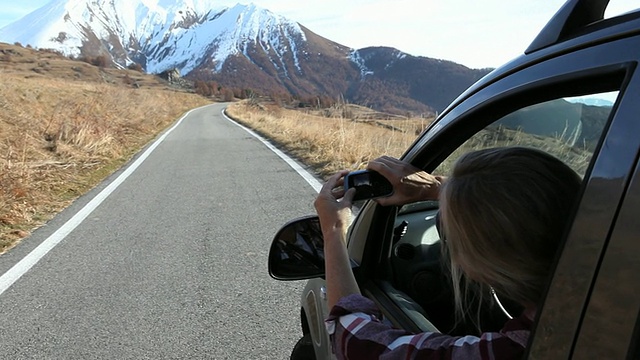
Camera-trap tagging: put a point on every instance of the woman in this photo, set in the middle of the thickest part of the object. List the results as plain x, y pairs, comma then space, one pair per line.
503, 214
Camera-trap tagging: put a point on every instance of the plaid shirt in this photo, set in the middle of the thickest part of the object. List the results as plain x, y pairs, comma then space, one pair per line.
357, 333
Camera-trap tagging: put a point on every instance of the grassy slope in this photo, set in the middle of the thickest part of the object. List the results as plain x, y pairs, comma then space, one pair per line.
65, 125
328, 140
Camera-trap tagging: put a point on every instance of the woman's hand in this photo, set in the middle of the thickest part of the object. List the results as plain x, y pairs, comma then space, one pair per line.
333, 205
410, 184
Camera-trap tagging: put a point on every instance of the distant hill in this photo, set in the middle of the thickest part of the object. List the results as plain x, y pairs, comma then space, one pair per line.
582, 124
423, 80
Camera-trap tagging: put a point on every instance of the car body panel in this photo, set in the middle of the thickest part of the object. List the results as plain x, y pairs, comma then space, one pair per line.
314, 304
615, 298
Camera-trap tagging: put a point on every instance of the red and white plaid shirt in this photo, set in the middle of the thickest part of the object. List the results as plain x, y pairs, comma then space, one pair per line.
357, 333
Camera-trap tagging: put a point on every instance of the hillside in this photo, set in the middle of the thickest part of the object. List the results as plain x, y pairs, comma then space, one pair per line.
65, 125
397, 78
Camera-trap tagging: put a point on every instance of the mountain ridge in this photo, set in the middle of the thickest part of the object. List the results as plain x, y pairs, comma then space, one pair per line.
243, 46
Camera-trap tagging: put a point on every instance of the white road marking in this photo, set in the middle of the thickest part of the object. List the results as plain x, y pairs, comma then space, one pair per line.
315, 184
19, 269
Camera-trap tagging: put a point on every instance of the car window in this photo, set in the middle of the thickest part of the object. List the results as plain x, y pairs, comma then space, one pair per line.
570, 128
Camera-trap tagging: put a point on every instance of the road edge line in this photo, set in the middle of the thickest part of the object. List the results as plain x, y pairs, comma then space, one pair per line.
25, 264
308, 177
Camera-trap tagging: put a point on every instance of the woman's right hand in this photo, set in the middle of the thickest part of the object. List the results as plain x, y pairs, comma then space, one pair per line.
410, 184
333, 205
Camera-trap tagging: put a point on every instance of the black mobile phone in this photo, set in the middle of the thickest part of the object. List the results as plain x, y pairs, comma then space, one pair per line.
368, 184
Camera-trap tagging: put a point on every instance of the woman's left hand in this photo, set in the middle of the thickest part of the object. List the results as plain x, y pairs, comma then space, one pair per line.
333, 205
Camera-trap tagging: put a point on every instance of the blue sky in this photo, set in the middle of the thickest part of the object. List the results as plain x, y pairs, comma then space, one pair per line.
474, 33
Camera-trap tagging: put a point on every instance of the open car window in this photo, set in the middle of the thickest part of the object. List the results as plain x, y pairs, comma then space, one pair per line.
569, 128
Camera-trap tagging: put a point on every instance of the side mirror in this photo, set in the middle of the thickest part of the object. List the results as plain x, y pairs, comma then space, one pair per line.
297, 251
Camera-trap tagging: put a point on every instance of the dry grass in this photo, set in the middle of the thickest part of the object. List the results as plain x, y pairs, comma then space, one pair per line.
496, 136
329, 140
328, 143
59, 138
32, 64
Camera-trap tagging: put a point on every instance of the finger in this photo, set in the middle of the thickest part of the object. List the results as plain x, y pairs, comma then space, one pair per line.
390, 161
338, 193
376, 165
332, 181
381, 168
347, 199
384, 201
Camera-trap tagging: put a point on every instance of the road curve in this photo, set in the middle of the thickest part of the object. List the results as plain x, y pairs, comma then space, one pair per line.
172, 264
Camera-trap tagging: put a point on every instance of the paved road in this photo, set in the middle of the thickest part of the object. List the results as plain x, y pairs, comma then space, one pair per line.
172, 265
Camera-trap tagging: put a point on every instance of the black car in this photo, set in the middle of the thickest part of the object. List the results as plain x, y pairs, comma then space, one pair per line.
574, 93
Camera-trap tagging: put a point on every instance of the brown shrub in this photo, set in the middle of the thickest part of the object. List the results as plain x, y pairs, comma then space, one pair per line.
227, 95
135, 67
100, 61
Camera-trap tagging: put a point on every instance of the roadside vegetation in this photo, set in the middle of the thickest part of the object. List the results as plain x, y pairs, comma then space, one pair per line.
343, 136
346, 136
61, 134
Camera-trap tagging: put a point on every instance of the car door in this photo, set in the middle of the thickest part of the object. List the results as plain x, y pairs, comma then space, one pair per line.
610, 326
536, 85
576, 290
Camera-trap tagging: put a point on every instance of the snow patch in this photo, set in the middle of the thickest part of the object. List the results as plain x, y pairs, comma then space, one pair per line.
357, 59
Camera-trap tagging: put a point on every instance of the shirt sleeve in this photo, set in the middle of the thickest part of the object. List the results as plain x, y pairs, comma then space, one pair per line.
357, 332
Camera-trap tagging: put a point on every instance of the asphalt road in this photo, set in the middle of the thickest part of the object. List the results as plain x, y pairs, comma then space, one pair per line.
172, 264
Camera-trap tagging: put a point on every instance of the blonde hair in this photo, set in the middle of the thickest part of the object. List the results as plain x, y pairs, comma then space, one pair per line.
504, 212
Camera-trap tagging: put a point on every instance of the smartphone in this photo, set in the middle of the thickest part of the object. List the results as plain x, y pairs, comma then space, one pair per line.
368, 184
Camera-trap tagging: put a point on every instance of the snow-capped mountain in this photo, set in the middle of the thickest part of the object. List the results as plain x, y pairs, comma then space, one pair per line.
159, 34
243, 47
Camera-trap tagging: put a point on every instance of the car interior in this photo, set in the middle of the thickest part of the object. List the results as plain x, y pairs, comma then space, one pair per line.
421, 271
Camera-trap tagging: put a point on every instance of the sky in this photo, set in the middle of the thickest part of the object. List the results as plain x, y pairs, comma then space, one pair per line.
474, 33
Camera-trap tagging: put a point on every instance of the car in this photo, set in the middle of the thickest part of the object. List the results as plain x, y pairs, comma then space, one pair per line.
574, 94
